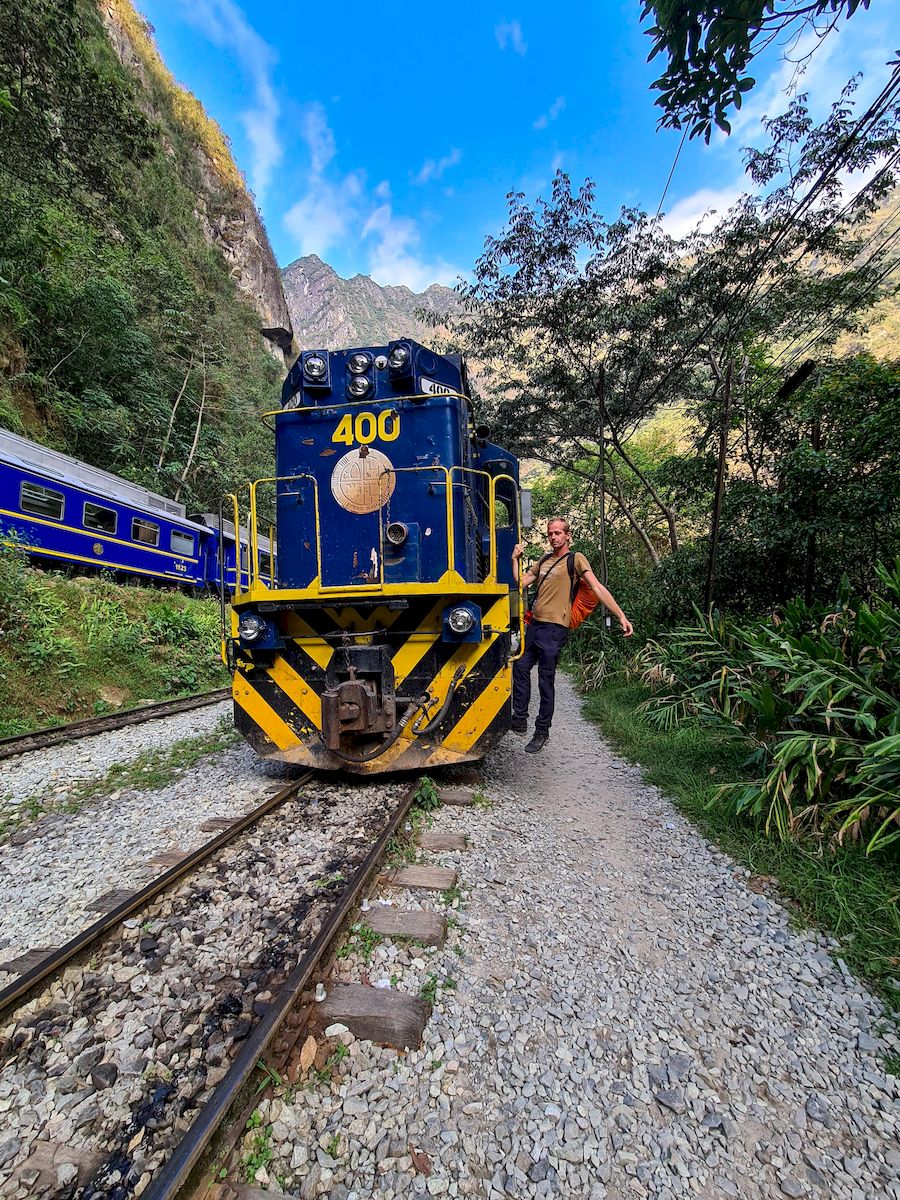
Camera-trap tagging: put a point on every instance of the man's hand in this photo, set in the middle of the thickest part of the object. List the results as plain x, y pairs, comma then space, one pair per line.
627, 627
518, 551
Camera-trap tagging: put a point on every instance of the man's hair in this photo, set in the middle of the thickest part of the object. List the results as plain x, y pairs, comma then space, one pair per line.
560, 521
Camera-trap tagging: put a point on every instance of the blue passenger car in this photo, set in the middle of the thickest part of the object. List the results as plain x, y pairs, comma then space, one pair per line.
65, 511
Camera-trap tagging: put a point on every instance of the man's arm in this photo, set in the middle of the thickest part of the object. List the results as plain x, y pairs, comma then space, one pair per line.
530, 575
605, 596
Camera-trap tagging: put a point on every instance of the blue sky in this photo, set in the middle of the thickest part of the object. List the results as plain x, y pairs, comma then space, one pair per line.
384, 135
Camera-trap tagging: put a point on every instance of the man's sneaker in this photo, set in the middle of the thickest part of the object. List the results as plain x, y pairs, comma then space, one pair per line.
519, 724
538, 742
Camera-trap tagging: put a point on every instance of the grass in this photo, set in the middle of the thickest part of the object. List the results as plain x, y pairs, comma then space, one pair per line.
260, 1153
855, 898
76, 647
361, 943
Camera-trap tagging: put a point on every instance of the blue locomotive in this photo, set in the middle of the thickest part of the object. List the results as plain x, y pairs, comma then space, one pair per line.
68, 513
386, 642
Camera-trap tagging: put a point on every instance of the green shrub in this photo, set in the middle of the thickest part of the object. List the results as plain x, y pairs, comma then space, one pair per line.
815, 692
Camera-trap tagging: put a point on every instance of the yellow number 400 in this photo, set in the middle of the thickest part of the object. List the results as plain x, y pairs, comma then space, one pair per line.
365, 427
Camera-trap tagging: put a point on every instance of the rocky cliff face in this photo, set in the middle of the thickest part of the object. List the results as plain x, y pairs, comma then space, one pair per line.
224, 207
331, 313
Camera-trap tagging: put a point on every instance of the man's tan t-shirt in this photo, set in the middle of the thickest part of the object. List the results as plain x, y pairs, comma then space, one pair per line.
554, 595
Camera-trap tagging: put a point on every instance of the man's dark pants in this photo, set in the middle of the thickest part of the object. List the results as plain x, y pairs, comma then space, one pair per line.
543, 644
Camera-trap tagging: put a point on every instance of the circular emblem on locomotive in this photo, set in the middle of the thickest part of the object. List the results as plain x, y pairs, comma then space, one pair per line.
98, 547
363, 480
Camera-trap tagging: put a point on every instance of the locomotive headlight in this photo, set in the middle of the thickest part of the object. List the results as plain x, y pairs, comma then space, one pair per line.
399, 358
359, 386
460, 620
358, 363
251, 627
315, 367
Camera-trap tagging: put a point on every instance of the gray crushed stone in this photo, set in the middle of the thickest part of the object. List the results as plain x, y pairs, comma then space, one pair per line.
631, 1017
72, 859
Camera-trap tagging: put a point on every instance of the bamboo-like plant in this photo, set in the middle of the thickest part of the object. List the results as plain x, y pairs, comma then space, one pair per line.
816, 695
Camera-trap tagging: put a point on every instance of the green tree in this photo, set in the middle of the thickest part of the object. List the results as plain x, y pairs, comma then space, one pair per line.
709, 48
588, 327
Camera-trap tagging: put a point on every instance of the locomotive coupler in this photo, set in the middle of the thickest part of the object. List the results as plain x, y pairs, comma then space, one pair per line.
359, 696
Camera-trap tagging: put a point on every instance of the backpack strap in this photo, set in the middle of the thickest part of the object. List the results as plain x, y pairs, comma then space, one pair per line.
574, 577
540, 578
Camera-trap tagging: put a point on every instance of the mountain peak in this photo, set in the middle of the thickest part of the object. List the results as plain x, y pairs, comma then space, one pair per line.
332, 313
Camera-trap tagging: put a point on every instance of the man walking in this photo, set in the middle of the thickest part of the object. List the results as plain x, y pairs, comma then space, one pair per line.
549, 627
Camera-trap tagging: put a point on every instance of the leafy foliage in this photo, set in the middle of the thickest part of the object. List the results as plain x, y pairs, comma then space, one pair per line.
709, 48
817, 694
121, 330
65, 642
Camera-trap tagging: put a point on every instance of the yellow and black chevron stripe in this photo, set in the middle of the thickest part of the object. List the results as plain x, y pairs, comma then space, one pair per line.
277, 694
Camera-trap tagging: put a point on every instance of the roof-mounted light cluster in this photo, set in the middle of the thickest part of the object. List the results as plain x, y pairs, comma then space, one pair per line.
361, 381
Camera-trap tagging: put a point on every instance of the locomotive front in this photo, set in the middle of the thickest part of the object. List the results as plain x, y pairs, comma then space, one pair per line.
385, 641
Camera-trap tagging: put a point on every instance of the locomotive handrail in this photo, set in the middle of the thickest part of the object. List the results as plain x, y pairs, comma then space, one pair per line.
495, 479
492, 528
253, 533
343, 402
448, 507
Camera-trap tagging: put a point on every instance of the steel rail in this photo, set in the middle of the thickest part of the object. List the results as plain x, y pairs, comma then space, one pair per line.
16, 993
173, 1180
21, 743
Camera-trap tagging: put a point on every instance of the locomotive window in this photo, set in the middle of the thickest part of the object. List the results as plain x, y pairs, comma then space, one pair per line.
503, 512
182, 543
41, 501
245, 557
144, 531
97, 517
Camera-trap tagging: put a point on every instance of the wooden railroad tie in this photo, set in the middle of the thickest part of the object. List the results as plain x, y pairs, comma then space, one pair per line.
432, 879
379, 1015
427, 927
24, 962
217, 824
443, 841
41, 1170
109, 900
169, 858
457, 795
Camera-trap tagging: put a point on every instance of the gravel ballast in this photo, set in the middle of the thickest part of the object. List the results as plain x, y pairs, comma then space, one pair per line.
112, 1061
621, 1011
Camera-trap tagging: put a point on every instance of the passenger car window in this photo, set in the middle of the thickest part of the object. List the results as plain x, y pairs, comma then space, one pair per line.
182, 543
144, 531
97, 517
41, 501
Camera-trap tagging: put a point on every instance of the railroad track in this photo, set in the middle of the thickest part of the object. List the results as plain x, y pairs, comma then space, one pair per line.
253, 946
21, 743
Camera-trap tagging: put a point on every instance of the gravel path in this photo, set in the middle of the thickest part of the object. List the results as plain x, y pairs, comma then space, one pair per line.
631, 1018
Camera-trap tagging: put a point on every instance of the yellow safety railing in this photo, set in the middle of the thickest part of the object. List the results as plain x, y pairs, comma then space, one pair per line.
253, 531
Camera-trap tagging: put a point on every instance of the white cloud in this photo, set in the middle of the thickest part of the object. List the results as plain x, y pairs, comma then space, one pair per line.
336, 208
555, 109
319, 138
392, 258
223, 22
435, 168
509, 33
557, 162
700, 208
322, 218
